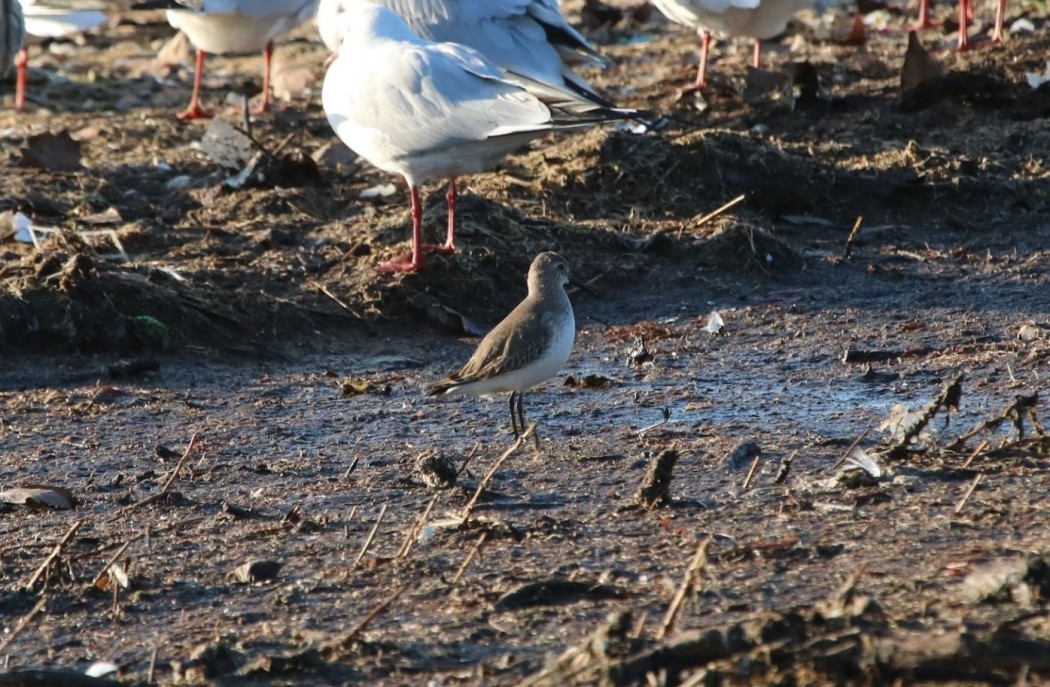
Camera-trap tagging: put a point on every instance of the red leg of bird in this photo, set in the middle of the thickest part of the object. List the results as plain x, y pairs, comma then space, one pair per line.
21, 66
450, 197
195, 111
413, 261
756, 60
705, 53
1000, 18
964, 25
267, 60
924, 18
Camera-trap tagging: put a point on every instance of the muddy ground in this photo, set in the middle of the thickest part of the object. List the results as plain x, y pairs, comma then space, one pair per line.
252, 319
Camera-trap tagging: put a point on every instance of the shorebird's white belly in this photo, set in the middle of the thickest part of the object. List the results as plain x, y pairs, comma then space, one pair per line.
537, 372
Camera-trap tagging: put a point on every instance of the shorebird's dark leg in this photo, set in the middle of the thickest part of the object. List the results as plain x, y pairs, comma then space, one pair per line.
195, 111
513, 419
521, 411
409, 262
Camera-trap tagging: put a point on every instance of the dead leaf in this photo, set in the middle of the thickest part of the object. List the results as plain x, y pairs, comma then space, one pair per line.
39, 497
355, 387
593, 381
53, 152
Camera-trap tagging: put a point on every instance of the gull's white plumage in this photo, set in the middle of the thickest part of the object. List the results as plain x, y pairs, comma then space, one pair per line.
756, 19
428, 110
527, 38
236, 26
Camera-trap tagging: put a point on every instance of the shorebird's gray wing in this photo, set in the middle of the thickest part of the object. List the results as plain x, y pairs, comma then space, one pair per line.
520, 339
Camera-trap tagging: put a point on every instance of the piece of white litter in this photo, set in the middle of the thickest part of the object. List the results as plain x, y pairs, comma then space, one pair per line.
1035, 79
715, 323
23, 228
171, 272
380, 191
859, 459
1022, 26
102, 669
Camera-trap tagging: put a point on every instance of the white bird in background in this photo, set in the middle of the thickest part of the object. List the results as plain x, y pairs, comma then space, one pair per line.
233, 26
757, 19
529, 38
47, 20
12, 32
429, 111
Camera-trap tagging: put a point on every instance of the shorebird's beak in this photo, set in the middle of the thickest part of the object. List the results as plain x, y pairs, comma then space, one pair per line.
583, 287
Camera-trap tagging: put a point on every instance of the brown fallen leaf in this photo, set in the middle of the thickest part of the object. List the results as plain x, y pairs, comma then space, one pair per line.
257, 571
53, 152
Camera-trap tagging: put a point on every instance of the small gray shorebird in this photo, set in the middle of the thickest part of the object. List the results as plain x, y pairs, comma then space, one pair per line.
528, 347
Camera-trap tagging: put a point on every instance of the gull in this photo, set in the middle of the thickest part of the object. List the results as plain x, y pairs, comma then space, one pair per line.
12, 32
757, 19
50, 20
429, 111
529, 38
232, 26
527, 348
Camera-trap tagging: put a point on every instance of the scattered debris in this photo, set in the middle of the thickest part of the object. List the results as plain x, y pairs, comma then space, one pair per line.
1024, 581
39, 496
655, 489
715, 323
591, 381
742, 455
254, 572
903, 425
435, 469
556, 592
1037, 79
52, 152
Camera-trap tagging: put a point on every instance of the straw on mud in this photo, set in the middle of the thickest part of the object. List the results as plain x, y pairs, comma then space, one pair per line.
110, 562
470, 557
848, 253
980, 447
323, 289
466, 461
350, 470
659, 423
152, 665
53, 555
966, 497
714, 213
751, 472
414, 530
22, 624
856, 442
687, 587
350, 637
469, 509
153, 498
371, 536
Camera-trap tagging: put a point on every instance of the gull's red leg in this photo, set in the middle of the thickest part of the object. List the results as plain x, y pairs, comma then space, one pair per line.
965, 13
1000, 18
21, 67
758, 54
409, 262
195, 111
267, 61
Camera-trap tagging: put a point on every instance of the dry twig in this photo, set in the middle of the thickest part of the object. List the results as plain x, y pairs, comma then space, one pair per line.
52, 556
468, 510
966, 497
22, 624
371, 536
414, 530
470, 557
687, 588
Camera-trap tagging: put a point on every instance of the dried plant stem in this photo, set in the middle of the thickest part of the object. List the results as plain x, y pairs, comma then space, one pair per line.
361, 626
687, 587
966, 497
53, 555
469, 509
470, 557
751, 472
152, 666
22, 624
415, 529
110, 562
785, 468
371, 536
976, 452
178, 466
466, 461
856, 442
848, 253
714, 213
